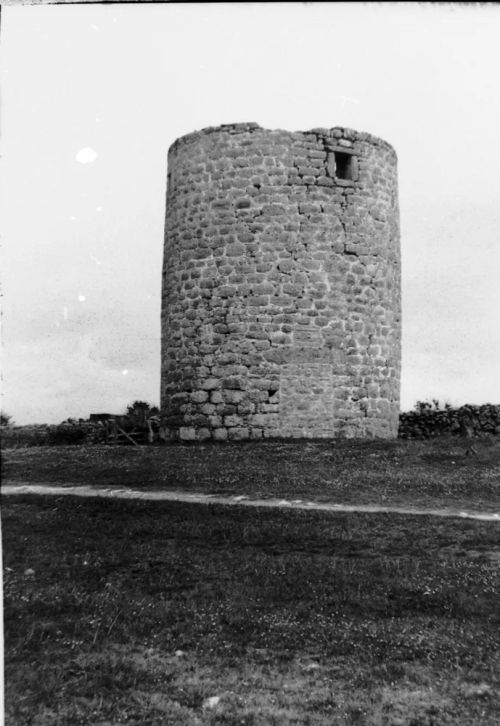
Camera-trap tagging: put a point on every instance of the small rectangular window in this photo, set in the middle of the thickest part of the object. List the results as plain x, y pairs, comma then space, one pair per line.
344, 166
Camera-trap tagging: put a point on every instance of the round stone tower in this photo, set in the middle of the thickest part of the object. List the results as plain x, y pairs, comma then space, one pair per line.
281, 285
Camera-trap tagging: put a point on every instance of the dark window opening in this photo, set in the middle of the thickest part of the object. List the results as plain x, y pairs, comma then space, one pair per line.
344, 166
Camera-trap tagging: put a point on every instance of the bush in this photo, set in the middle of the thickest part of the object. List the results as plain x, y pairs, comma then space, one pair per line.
31, 435
65, 434
430, 419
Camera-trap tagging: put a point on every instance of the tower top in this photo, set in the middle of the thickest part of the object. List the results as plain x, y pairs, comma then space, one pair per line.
336, 132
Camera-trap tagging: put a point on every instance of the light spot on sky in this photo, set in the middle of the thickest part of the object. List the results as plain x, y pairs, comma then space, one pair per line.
87, 155
81, 298
98, 209
347, 99
124, 372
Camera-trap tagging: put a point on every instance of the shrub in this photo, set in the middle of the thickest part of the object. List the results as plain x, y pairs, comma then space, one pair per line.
65, 434
31, 435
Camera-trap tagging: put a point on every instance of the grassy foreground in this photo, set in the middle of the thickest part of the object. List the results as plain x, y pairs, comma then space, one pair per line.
432, 473
129, 612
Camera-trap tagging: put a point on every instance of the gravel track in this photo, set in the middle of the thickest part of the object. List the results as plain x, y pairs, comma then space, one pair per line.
241, 500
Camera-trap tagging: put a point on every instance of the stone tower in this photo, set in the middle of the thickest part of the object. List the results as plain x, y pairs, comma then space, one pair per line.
281, 285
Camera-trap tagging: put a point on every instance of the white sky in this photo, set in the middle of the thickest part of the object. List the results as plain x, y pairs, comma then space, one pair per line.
116, 84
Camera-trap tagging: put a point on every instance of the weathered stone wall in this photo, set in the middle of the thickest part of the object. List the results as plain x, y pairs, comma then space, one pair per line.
281, 285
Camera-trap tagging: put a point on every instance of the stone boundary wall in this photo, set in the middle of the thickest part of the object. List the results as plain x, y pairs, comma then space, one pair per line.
281, 285
62, 434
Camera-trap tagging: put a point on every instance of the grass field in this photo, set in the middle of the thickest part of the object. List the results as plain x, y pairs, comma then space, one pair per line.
130, 612
436, 472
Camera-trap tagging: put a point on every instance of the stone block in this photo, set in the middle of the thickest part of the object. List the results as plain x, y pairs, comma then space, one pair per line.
233, 382
207, 408
187, 433
258, 300
309, 171
226, 291
211, 384
245, 407
235, 250
198, 419
275, 355
246, 237
270, 210
280, 339
264, 288
232, 396
285, 266
179, 398
199, 396
233, 420
290, 288
238, 433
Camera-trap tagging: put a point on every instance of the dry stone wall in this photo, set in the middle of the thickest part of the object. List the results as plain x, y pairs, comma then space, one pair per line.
281, 285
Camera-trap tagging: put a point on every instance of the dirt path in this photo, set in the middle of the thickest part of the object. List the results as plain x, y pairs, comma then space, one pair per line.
241, 500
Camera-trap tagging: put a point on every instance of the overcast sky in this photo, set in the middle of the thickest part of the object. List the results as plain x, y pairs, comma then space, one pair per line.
93, 95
